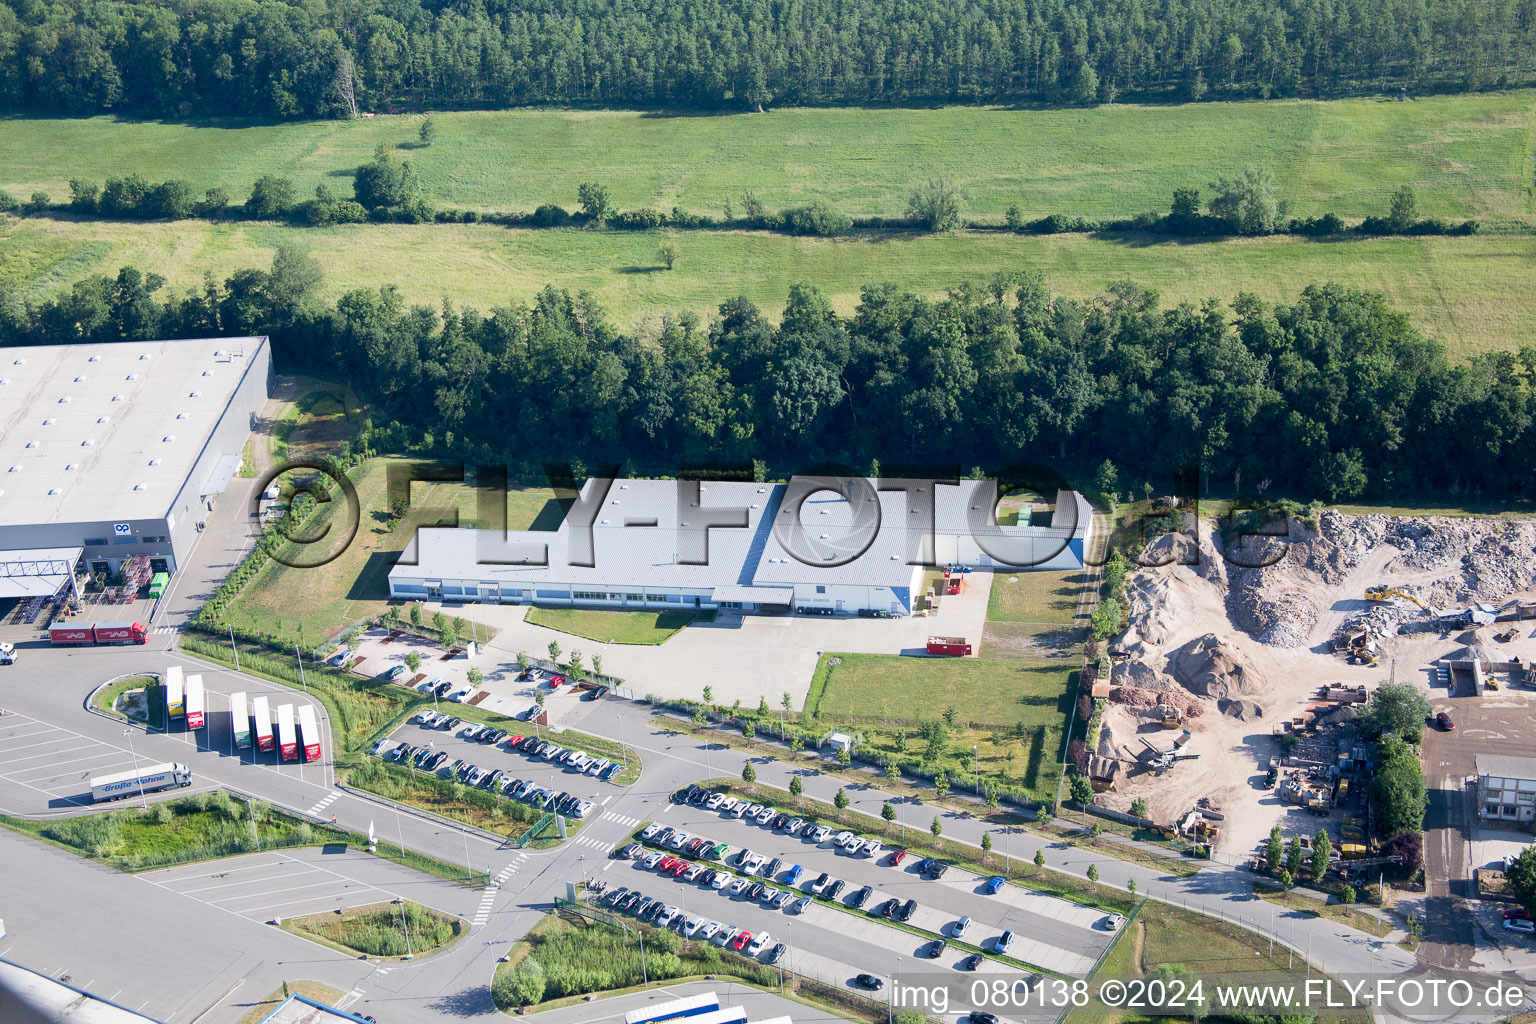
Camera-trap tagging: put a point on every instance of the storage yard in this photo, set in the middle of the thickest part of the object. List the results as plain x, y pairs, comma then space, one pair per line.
1257, 674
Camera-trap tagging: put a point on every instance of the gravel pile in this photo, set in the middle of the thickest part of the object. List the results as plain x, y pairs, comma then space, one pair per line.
1501, 563
1242, 710
1135, 697
1210, 668
1263, 604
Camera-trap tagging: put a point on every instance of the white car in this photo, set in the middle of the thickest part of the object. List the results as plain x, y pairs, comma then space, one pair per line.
770, 896
800, 905
842, 839
693, 927
871, 848
794, 825
739, 811
654, 859
821, 834
382, 745
666, 917
721, 880
714, 802
710, 931
457, 696
740, 886
428, 686
765, 815
650, 830
752, 865
960, 928
580, 762
584, 808
596, 767
728, 805
752, 809
759, 943
552, 753
678, 839
1005, 942
724, 935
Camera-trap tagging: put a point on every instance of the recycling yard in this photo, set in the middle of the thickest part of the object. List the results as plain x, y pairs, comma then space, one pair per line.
1226, 671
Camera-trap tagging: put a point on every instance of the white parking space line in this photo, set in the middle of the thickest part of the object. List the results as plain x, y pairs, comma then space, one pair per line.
49, 753
270, 861
58, 764
269, 892
223, 885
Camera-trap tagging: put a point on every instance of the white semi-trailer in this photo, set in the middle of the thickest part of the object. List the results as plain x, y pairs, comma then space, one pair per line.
309, 732
261, 718
239, 721
287, 743
195, 701
149, 779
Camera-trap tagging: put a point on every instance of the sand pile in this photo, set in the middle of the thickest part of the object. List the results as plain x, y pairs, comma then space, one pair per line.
1266, 604
1134, 697
1242, 710
1211, 668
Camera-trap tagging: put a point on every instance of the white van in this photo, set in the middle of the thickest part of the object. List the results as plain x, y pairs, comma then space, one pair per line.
7, 653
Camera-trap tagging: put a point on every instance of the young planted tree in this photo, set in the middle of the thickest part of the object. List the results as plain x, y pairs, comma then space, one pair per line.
1093, 872
554, 651
748, 773
797, 790
427, 133
413, 662
475, 676
937, 828
986, 846
1274, 851
667, 254
887, 812
1139, 807
840, 801
1040, 858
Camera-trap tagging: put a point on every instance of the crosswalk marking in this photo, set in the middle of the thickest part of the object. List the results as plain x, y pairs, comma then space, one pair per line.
167, 629
335, 795
596, 844
622, 819
349, 999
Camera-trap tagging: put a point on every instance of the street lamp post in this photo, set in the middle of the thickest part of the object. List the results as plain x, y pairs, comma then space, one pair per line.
300, 659
404, 928
623, 750
233, 649
976, 763
129, 733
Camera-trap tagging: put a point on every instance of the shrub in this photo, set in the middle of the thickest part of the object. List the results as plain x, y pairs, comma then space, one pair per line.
124, 197
935, 206
7, 202
637, 220
82, 195
549, 216
816, 219
215, 203
171, 200
271, 198
38, 202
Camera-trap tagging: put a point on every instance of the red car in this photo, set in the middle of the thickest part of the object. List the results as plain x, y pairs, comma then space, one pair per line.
513, 741
678, 868
555, 682
897, 856
741, 940
1517, 914
1443, 720
667, 864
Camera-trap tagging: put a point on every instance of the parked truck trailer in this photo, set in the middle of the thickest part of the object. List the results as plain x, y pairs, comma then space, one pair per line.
239, 720
287, 743
261, 721
85, 634
175, 700
195, 702
148, 779
309, 733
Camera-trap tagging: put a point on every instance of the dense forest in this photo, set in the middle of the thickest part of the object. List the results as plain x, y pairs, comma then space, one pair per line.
1334, 395
177, 58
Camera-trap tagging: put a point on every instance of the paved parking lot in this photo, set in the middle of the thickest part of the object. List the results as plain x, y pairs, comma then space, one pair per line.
57, 762
1052, 933
295, 883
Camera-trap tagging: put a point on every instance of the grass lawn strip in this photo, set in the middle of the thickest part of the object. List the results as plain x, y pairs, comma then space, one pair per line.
448, 798
611, 626
106, 698
1341, 912
1036, 597
377, 929
259, 1011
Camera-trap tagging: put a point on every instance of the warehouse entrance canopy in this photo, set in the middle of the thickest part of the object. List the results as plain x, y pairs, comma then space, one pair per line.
36, 572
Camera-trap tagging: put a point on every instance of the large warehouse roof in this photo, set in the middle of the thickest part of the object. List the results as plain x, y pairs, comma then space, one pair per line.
109, 431
625, 553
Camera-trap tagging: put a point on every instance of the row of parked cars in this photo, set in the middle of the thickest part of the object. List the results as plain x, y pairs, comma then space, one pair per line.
701, 929
573, 760
767, 816
445, 688
492, 780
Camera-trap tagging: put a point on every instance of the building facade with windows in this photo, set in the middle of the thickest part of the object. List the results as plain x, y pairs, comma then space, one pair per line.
1506, 788
746, 547
114, 451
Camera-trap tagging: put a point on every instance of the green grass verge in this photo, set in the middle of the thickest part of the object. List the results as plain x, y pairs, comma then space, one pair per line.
1471, 293
1036, 597
105, 699
1467, 155
321, 602
490, 812
617, 627
206, 826
380, 929
1307, 907
262, 1009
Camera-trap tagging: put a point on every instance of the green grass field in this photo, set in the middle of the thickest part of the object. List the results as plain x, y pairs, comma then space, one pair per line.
1035, 597
380, 929
1467, 155
1471, 293
615, 627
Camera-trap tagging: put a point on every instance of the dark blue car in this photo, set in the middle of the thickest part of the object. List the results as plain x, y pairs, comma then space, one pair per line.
794, 875
994, 884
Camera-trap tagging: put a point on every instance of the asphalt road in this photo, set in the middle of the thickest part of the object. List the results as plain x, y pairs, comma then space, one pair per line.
49, 688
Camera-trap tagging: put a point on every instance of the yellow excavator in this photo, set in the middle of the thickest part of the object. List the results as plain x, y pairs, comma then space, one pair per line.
1384, 594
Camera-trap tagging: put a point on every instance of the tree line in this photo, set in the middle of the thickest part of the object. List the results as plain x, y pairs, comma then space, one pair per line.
1333, 395
173, 58
386, 189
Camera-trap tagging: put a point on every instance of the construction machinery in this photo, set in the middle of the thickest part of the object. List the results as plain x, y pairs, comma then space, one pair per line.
1384, 594
1169, 717
1162, 760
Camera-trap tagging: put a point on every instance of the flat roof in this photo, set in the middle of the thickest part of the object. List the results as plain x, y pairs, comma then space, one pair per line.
1506, 766
745, 559
36, 572
23, 989
297, 1009
109, 431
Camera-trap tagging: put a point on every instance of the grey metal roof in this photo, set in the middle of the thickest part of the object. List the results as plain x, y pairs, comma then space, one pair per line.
1506, 766
36, 572
762, 595
626, 554
109, 431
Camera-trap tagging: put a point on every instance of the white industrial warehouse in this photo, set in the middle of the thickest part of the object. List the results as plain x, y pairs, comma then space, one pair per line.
110, 453
749, 547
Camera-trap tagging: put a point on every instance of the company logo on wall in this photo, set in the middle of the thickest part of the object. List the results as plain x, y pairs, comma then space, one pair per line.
122, 530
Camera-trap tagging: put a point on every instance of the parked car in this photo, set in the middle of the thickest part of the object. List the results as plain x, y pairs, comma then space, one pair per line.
994, 885
666, 917
678, 840
739, 943
714, 802
608, 773
897, 856
936, 949
632, 851
721, 879
904, 912
774, 955
710, 931
1443, 720
800, 905
391, 674
1005, 941
869, 981
831, 891
784, 899
820, 833
694, 926
820, 882
857, 898
971, 962
682, 795
1518, 924
960, 927
758, 944
871, 848
794, 875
